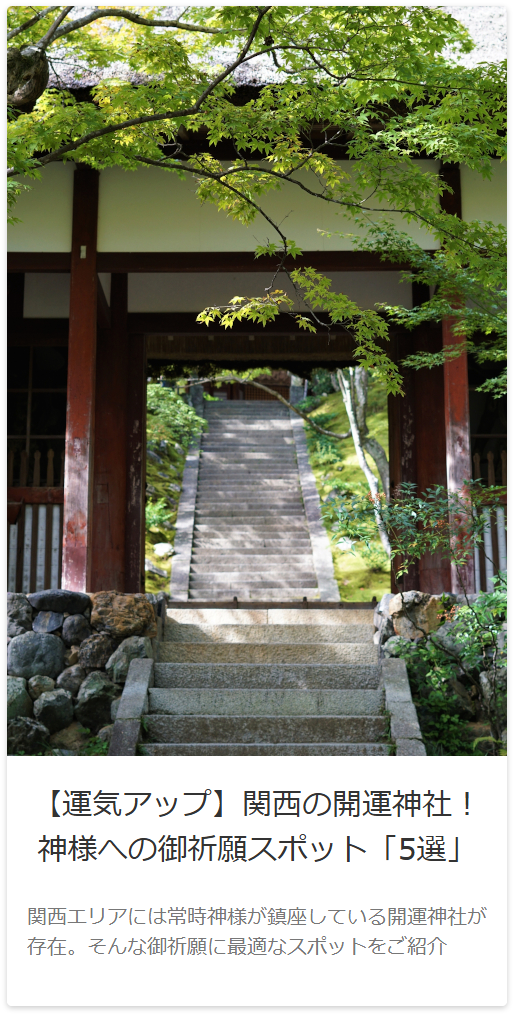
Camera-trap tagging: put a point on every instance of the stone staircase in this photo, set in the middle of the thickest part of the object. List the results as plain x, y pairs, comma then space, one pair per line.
251, 536
267, 681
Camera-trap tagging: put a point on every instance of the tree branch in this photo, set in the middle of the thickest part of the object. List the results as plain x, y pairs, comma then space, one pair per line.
28, 24
51, 33
116, 12
55, 156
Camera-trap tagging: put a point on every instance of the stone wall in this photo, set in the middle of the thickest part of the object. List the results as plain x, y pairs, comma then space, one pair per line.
68, 655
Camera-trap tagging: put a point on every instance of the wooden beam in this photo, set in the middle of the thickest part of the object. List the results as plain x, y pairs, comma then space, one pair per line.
80, 414
136, 465
109, 499
35, 494
36, 261
202, 261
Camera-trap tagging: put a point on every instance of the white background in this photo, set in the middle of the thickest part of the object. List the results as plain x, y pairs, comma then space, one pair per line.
471, 972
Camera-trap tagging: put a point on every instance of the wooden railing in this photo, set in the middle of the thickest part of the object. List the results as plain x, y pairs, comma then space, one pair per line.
491, 556
34, 523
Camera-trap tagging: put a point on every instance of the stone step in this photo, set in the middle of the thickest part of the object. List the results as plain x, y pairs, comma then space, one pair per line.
265, 633
266, 749
242, 579
257, 594
265, 498
318, 617
249, 544
224, 557
264, 729
272, 703
254, 676
259, 566
259, 514
270, 654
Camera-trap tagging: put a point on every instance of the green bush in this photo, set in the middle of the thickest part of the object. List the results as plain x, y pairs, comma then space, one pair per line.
458, 675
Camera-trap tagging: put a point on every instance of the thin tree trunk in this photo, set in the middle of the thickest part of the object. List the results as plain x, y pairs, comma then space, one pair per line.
346, 391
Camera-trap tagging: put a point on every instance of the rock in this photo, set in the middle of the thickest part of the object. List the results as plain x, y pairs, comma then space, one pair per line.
131, 647
38, 685
71, 657
19, 614
151, 568
414, 613
25, 735
19, 704
442, 637
382, 609
34, 654
59, 600
54, 709
153, 456
104, 734
163, 549
175, 488
73, 737
71, 679
93, 707
75, 629
95, 651
123, 615
47, 622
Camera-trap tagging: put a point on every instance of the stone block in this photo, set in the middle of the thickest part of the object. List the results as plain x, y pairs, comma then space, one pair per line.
59, 600
19, 614
33, 654
47, 622
19, 704
26, 736
76, 629
122, 615
54, 709
38, 685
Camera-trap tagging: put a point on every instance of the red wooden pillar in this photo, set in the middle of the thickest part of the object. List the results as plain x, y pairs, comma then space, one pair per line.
136, 465
458, 449
80, 412
110, 463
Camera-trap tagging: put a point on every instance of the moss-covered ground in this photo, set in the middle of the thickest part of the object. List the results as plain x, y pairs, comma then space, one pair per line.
335, 467
165, 478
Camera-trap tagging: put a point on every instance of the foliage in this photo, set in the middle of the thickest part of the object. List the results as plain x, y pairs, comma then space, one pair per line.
169, 417
437, 520
458, 674
353, 95
157, 513
336, 468
94, 747
320, 382
469, 276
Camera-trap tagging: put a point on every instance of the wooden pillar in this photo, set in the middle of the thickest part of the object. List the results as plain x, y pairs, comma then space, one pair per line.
110, 460
456, 391
136, 465
458, 444
80, 413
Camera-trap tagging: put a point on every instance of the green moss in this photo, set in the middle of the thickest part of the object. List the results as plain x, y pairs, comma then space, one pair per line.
335, 466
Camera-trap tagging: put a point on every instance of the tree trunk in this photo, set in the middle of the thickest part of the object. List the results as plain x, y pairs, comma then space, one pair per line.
353, 391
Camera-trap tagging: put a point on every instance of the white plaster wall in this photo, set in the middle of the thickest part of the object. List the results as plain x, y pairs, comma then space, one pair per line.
154, 210
188, 292
45, 212
485, 200
47, 295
